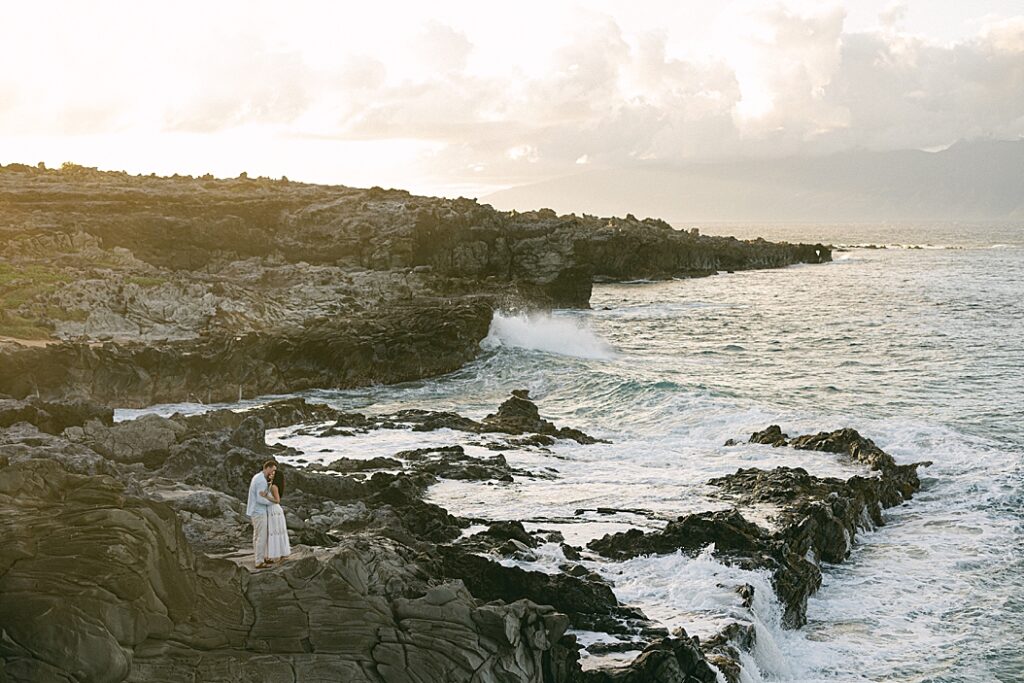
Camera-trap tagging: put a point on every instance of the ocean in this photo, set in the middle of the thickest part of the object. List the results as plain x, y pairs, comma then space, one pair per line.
918, 345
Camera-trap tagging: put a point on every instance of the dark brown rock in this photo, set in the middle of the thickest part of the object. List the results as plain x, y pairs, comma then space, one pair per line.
677, 659
345, 465
399, 343
145, 607
52, 417
727, 529
723, 649
771, 436
819, 517
589, 605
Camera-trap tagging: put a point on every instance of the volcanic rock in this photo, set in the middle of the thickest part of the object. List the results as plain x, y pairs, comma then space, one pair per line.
818, 518
212, 290
52, 417
590, 605
669, 660
145, 607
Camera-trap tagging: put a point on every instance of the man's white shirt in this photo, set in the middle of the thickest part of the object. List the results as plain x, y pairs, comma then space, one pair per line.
257, 503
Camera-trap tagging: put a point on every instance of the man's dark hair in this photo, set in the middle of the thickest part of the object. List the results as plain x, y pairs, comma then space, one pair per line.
270, 463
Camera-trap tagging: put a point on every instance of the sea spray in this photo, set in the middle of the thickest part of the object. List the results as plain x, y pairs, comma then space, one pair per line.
700, 594
551, 334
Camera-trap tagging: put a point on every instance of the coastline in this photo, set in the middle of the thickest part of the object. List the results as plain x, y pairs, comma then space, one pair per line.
181, 289
381, 581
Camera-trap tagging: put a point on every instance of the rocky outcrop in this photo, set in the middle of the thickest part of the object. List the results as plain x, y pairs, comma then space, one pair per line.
52, 417
121, 559
677, 659
115, 535
728, 530
517, 415
590, 605
173, 289
149, 230
618, 250
723, 649
817, 522
99, 585
112, 532
390, 345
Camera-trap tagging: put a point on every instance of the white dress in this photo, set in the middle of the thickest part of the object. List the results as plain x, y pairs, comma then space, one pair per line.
277, 533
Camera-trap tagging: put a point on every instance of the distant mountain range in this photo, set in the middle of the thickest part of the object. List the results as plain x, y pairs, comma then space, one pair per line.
977, 180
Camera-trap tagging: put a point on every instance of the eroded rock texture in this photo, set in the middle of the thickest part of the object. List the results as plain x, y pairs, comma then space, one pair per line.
98, 585
817, 522
177, 289
119, 559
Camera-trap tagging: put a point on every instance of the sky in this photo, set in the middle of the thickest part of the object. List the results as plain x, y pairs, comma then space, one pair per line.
465, 98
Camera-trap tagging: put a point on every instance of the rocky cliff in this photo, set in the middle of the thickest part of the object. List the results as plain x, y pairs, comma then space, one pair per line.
169, 289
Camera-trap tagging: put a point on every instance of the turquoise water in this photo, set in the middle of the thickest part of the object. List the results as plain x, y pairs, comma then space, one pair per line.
920, 349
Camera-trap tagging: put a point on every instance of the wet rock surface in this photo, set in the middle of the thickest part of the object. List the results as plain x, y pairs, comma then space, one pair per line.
676, 658
723, 649
817, 521
123, 563
121, 556
517, 415
590, 605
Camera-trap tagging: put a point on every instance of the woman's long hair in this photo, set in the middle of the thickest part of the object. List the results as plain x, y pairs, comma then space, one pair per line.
279, 482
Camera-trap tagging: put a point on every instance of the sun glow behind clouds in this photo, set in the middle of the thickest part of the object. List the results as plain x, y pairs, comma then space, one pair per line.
470, 97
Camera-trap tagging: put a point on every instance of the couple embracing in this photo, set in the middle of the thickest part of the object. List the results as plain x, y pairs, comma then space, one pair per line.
269, 530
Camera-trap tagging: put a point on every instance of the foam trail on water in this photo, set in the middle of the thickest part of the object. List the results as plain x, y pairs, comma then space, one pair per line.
542, 332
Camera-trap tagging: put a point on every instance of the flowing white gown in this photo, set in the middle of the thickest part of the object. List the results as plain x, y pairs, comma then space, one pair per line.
277, 534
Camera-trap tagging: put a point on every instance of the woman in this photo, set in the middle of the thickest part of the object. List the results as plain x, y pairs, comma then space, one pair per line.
278, 547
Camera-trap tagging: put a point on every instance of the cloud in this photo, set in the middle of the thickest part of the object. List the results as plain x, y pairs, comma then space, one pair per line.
784, 74
246, 84
442, 49
903, 91
893, 16
498, 107
798, 85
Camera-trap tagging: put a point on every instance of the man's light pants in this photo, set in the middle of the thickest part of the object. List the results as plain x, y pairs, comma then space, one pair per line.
259, 537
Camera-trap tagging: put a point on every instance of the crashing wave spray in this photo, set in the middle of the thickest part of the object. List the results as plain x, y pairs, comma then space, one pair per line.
543, 332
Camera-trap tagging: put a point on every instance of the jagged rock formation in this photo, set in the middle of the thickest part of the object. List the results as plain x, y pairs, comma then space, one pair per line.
677, 658
207, 289
120, 556
385, 346
105, 577
114, 571
516, 415
102, 586
53, 417
818, 521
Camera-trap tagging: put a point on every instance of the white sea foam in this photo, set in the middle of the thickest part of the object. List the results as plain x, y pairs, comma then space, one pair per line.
541, 332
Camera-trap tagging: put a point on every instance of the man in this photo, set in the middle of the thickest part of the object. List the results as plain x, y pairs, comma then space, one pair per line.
257, 511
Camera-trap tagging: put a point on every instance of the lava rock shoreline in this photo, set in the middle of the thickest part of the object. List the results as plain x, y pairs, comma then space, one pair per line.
121, 540
121, 554
141, 290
